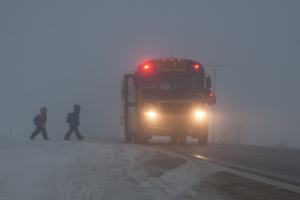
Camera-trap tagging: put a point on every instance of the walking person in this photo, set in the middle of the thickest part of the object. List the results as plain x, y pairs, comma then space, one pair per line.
73, 119
40, 122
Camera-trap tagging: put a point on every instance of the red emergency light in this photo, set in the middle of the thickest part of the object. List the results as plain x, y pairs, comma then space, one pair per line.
211, 99
146, 67
192, 65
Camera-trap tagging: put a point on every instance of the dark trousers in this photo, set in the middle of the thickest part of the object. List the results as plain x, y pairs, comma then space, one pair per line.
70, 131
37, 130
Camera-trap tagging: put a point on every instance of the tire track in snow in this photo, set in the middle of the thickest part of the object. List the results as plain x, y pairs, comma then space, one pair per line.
93, 166
163, 162
61, 173
87, 193
107, 178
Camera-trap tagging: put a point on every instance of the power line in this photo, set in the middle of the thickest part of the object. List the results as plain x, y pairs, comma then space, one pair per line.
214, 92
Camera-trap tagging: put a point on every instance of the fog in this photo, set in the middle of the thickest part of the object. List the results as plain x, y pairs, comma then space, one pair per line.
60, 53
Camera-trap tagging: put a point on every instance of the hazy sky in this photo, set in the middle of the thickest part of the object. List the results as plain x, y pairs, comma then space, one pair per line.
58, 53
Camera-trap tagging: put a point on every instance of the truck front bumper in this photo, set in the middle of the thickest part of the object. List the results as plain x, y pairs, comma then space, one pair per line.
175, 124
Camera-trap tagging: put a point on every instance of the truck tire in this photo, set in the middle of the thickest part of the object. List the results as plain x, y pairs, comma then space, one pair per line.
128, 138
145, 141
182, 139
202, 140
141, 140
202, 134
174, 139
135, 139
142, 136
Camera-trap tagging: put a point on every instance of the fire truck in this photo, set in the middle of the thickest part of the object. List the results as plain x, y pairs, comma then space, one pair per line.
166, 97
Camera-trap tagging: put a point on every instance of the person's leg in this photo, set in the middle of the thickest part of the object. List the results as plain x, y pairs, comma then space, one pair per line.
68, 134
35, 132
78, 135
44, 133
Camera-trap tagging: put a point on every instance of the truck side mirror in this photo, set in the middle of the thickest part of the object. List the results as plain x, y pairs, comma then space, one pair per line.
135, 80
208, 83
206, 92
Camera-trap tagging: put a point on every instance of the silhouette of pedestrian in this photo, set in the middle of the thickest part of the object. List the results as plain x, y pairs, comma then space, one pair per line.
40, 122
73, 119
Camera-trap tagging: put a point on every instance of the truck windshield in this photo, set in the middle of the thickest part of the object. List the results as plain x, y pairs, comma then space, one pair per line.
172, 81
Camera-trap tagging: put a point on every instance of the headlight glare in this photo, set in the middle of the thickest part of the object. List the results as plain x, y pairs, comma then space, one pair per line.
200, 114
150, 114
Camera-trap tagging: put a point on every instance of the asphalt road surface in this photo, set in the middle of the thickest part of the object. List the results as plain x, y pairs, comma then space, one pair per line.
282, 164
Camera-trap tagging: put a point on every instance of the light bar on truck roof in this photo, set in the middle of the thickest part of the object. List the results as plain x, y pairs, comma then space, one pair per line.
170, 64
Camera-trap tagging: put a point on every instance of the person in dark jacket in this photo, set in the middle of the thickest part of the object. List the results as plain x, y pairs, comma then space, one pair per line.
41, 126
74, 124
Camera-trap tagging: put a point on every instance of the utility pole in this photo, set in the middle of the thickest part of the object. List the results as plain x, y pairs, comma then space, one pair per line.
214, 92
10, 132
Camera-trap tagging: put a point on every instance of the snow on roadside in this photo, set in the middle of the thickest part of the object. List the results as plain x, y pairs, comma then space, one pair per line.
86, 170
95, 169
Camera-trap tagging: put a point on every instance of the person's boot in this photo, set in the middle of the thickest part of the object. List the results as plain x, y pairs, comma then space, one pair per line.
81, 138
46, 138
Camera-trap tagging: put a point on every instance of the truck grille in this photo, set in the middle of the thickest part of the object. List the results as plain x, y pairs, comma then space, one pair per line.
168, 108
184, 108
172, 109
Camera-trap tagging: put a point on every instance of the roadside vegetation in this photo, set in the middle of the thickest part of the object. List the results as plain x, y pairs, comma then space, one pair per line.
232, 127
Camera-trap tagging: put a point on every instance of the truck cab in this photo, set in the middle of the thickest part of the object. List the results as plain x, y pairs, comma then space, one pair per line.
166, 97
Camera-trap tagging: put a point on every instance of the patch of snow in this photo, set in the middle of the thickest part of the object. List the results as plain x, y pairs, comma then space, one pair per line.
94, 169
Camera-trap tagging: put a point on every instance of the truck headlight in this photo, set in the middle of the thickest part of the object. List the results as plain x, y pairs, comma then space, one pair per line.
150, 114
200, 114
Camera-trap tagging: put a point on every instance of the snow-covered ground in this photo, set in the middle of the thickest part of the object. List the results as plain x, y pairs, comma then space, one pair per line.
94, 169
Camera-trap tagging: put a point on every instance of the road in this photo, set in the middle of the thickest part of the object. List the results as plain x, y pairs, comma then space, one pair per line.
277, 163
